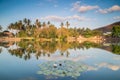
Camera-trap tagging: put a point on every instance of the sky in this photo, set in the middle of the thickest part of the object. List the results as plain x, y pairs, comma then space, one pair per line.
80, 13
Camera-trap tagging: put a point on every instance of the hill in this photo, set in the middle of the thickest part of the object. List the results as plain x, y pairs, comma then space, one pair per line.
107, 28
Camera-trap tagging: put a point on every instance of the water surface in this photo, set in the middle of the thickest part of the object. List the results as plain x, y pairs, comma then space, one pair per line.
29, 60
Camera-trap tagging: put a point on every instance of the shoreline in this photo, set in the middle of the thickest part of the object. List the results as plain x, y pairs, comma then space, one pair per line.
69, 39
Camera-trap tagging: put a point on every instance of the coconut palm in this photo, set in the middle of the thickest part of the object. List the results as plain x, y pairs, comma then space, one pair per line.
38, 23
25, 21
0, 28
67, 24
44, 24
48, 23
62, 24
20, 25
29, 21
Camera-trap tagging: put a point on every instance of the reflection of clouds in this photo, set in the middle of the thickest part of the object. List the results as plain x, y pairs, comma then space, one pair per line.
116, 57
56, 57
91, 68
71, 68
29, 78
113, 67
110, 66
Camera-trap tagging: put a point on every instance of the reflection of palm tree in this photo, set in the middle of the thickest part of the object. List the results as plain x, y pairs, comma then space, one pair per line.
0, 50
38, 54
25, 57
116, 49
29, 56
44, 53
48, 55
62, 53
68, 53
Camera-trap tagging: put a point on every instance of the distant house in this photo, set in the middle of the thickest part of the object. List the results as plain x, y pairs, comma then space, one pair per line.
7, 34
107, 33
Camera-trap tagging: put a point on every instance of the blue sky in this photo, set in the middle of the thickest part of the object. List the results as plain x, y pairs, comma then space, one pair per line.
80, 13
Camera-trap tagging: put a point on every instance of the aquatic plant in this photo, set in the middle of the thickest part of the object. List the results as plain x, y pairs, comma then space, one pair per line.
62, 68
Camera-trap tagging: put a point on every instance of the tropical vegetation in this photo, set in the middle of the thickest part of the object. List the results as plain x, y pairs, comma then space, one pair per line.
25, 28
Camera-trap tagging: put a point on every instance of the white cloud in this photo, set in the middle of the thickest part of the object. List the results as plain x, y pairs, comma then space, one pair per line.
60, 19
114, 8
85, 8
103, 11
116, 17
76, 5
111, 9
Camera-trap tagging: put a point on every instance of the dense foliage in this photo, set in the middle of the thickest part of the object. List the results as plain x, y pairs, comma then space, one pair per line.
47, 30
116, 31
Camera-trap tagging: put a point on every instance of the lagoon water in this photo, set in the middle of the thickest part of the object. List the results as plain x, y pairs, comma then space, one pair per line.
74, 61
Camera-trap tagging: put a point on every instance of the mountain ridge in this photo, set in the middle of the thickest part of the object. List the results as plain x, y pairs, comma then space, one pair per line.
108, 28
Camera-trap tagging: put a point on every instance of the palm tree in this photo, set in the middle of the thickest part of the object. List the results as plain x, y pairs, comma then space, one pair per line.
15, 26
62, 24
0, 28
20, 25
44, 24
48, 23
25, 21
38, 23
9, 27
28, 22
67, 24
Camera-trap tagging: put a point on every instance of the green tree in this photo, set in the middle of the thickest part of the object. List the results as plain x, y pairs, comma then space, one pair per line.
62, 24
52, 31
116, 31
38, 23
44, 24
48, 23
0, 28
67, 24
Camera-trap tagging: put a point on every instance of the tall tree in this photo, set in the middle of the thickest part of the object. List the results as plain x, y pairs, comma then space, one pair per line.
38, 23
25, 21
67, 24
0, 28
62, 24
116, 31
48, 23
44, 24
28, 22
20, 25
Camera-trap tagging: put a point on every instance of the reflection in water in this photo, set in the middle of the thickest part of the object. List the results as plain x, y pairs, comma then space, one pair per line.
116, 49
0, 49
62, 68
64, 59
24, 49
